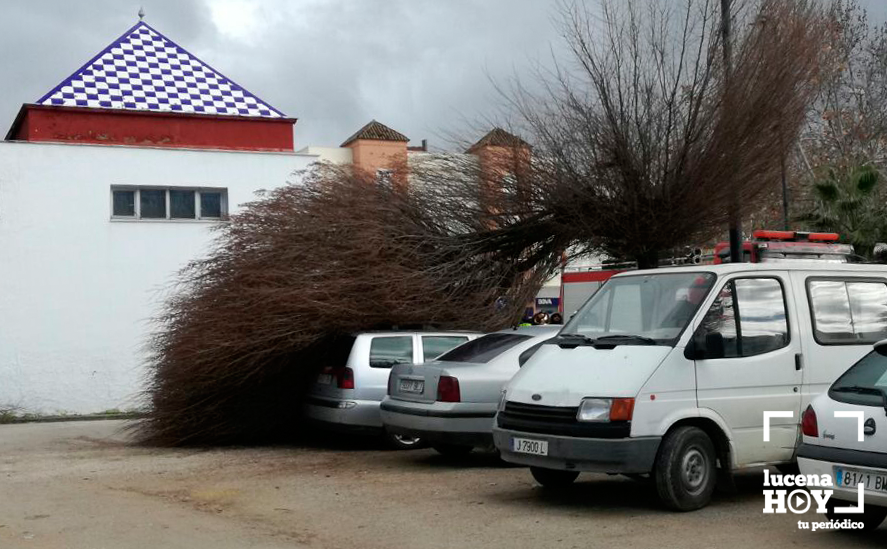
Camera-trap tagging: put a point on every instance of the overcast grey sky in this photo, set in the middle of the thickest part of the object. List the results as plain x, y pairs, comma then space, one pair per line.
419, 66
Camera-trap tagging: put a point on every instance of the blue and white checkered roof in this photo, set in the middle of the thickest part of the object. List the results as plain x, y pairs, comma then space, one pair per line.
146, 71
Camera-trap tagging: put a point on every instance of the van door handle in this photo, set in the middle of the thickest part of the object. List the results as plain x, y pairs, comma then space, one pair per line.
798, 361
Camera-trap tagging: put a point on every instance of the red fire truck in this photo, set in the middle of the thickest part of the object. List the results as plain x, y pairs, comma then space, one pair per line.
768, 246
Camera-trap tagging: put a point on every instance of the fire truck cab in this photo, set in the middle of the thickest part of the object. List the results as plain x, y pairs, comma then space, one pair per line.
773, 246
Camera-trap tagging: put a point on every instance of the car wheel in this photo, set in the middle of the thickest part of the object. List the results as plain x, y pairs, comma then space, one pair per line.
553, 478
871, 518
685, 469
402, 442
452, 450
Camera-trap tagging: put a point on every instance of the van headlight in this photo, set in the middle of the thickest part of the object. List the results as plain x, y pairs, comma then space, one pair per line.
594, 409
503, 398
605, 409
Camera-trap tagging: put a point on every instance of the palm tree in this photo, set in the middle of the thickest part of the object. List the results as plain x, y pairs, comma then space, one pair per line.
850, 202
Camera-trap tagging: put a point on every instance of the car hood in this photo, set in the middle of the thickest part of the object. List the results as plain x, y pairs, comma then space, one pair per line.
563, 377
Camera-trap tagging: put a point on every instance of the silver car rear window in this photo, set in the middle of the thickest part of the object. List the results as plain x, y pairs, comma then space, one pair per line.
864, 384
484, 349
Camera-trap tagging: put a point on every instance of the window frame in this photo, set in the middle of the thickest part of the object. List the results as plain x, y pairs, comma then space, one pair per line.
198, 205
737, 307
845, 280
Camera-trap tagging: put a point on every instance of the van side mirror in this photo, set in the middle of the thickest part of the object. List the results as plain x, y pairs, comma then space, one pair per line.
714, 345
705, 345
696, 348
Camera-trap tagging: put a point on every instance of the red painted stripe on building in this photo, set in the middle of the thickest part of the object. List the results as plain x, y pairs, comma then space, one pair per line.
151, 129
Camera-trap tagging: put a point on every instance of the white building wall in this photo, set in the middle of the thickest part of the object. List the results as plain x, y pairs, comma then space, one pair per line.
77, 290
335, 155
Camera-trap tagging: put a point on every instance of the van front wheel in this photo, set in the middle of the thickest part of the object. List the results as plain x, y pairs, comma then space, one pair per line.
685, 469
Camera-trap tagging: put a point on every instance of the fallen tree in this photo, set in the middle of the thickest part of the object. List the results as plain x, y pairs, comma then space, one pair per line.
247, 327
640, 145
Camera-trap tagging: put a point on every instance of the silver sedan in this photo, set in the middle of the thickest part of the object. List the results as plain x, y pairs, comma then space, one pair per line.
451, 402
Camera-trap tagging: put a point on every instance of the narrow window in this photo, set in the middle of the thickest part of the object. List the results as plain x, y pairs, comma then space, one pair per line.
210, 204
719, 326
152, 203
124, 203
181, 204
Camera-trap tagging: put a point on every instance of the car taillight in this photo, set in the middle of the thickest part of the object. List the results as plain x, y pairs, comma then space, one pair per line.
809, 425
448, 389
345, 378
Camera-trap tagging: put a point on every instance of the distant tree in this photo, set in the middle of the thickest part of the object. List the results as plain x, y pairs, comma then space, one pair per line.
847, 125
852, 203
642, 144
843, 147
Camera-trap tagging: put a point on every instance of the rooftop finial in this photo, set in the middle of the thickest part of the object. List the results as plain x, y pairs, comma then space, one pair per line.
141, 13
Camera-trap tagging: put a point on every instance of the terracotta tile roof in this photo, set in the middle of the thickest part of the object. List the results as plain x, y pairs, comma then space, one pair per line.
378, 132
497, 137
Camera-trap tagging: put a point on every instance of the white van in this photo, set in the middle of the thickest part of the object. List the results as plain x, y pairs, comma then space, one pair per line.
668, 372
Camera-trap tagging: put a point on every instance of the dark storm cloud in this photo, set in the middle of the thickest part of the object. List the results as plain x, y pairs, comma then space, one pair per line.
420, 66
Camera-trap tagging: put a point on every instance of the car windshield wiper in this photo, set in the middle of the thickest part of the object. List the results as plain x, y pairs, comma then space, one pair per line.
571, 341
859, 389
627, 337
572, 336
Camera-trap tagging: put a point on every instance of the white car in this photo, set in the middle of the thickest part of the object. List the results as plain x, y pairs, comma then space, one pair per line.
831, 444
451, 402
350, 386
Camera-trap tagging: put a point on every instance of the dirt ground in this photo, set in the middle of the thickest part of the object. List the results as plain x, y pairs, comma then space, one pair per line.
81, 485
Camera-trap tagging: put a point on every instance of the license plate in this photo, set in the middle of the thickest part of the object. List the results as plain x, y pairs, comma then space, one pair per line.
325, 379
416, 386
530, 446
851, 478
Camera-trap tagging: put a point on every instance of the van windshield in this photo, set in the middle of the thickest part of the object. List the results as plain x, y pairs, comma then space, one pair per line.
652, 308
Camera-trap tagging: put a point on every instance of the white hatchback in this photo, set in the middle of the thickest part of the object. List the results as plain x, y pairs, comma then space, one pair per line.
832, 444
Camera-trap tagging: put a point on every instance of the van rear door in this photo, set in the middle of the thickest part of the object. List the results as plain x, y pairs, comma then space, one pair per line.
751, 364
